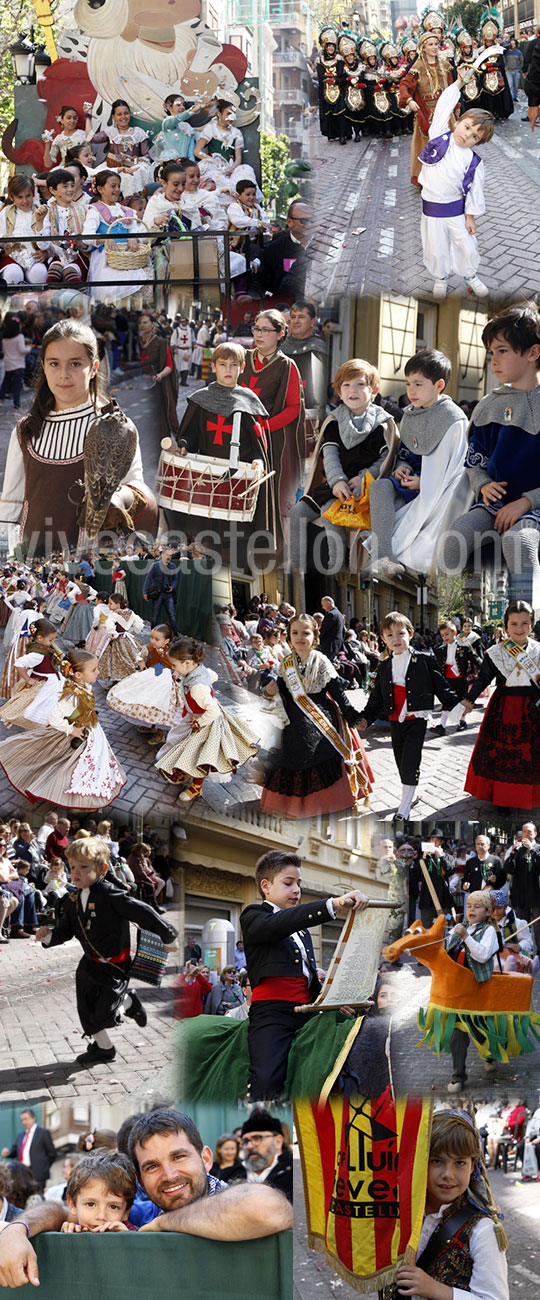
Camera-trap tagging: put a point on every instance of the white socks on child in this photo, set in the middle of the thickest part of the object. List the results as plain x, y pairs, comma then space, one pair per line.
407, 795
102, 1039
444, 718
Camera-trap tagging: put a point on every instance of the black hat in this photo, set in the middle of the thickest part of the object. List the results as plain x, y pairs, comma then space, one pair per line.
260, 1121
436, 833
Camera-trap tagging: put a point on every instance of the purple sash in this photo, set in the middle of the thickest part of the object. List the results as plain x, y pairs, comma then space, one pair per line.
455, 209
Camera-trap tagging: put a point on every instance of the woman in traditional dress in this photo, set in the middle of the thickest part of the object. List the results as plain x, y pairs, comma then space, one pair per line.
321, 765
503, 769
419, 90
158, 364
46, 453
276, 380
495, 93
329, 67
128, 149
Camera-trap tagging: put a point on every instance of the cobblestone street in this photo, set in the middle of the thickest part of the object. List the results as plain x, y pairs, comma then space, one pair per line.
367, 231
40, 1035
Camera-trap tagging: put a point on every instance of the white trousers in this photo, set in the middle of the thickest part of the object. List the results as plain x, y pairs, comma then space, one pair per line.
448, 247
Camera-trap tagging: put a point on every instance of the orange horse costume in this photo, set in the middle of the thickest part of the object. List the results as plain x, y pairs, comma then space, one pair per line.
497, 1014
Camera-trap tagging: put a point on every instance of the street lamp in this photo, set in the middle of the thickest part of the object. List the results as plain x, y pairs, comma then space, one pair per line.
22, 58
42, 61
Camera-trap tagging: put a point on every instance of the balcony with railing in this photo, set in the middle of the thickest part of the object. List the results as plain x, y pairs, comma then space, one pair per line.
292, 96
291, 58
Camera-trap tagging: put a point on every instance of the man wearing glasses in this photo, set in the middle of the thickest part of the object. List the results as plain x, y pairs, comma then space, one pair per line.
282, 266
265, 1156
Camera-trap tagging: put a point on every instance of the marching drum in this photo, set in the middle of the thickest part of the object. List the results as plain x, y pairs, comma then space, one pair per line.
205, 486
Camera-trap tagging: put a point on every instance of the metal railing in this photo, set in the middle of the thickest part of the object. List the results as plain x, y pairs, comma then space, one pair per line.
88, 244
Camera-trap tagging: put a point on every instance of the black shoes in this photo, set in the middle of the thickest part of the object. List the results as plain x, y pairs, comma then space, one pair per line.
94, 1055
136, 1011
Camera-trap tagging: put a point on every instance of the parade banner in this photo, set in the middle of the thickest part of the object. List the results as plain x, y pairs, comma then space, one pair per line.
352, 973
364, 1168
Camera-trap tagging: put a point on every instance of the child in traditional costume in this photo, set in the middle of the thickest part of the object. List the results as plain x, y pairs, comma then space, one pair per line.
206, 740
70, 763
473, 944
404, 691
452, 180
60, 441
149, 694
99, 916
358, 443
519, 952
20, 262
81, 615
462, 1244
102, 625
321, 765
34, 664
457, 663
409, 508
502, 460
119, 260
228, 422
64, 220
119, 658
70, 135
503, 768
281, 965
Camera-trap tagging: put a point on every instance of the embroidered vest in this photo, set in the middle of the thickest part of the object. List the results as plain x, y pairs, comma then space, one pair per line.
482, 970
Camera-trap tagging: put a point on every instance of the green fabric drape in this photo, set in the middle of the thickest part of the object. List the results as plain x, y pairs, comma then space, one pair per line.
136, 1266
193, 593
213, 1058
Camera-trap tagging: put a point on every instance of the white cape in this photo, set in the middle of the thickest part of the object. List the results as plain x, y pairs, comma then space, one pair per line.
444, 494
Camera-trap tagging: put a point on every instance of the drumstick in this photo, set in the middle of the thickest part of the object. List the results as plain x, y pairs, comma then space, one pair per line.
241, 495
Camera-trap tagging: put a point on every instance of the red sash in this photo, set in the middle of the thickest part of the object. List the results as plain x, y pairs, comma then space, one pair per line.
281, 989
400, 698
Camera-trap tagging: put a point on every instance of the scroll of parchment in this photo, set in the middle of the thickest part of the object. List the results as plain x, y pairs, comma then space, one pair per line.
352, 973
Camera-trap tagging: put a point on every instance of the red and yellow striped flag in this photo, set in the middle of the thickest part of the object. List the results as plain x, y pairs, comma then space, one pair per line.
364, 1166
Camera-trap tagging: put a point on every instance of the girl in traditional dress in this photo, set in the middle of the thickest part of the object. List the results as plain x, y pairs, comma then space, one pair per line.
48, 765
462, 1243
54, 154
19, 262
206, 740
321, 765
149, 694
81, 615
46, 460
63, 592
29, 665
219, 148
419, 90
276, 380
16, 602
119, 658
177, 136
503, 769
102, 625
128, 149
107, 215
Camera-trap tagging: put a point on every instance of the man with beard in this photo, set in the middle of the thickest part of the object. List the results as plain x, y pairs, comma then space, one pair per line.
173, 1167
265, 1156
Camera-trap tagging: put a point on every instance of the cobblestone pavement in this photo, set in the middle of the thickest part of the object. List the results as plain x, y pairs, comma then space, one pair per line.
519, 1202
367, 233
417, 1067
40, 1035
145, 789
445, 760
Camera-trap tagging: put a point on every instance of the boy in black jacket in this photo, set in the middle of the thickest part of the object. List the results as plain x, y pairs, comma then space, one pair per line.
456, 662
98, 915
281, 964
403, 691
